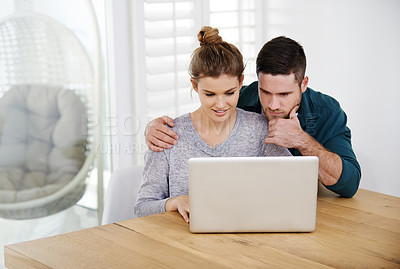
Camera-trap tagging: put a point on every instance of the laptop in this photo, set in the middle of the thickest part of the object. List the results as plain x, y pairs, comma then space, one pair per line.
253, 194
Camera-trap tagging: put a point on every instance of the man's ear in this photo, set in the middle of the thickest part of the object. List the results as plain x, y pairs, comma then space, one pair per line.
194, 84
304, 84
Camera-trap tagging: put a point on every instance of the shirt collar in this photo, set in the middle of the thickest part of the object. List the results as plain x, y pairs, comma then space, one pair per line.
306, 111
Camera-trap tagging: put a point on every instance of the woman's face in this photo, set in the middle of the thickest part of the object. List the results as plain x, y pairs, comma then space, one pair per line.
218, 96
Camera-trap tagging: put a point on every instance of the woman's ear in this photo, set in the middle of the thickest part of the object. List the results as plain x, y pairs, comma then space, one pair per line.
194, 84
241, 81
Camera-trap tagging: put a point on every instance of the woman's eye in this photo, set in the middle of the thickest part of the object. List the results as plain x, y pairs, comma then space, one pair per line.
209, 94
230, 93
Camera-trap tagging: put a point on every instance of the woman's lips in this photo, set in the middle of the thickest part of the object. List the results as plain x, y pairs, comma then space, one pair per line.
220, 113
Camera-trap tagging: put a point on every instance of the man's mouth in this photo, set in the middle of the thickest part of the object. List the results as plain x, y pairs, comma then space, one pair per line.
276, 114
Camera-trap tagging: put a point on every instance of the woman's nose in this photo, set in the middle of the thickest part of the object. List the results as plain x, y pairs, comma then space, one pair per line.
220, 102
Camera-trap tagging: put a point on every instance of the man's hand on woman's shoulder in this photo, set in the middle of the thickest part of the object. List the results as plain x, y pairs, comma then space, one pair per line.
158, 135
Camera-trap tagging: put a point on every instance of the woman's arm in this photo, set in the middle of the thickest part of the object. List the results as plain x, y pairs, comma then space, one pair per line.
154, 189
154, 196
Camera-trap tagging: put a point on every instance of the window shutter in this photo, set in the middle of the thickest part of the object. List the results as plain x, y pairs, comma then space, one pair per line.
236, 20
165, 35
168, 38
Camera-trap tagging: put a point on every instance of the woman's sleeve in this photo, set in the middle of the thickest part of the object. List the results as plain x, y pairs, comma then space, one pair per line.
274, 150
154, 189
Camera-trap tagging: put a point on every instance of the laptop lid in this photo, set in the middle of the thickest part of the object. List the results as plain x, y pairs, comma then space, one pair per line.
253, 194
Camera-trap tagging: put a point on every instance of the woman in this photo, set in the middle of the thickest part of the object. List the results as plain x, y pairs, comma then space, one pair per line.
216, 129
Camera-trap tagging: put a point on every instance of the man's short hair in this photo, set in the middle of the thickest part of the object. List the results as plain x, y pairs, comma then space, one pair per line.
282, 56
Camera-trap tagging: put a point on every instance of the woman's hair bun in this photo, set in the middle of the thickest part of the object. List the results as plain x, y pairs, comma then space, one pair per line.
209, 35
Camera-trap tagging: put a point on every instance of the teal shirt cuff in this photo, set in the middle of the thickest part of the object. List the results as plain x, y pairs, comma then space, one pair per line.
349, 180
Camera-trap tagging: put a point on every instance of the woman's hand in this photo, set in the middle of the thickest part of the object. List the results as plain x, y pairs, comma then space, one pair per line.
179, 203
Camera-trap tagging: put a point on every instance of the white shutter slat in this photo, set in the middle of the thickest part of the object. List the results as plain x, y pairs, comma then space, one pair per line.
185, 98
232, 10
160, 82
165, 32
168, 15
162, 104
168, 49
164, 99
165, 1
161, 99
161, 65
235, 27
167, 82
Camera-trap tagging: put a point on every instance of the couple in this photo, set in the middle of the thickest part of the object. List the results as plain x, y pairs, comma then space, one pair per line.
217, 128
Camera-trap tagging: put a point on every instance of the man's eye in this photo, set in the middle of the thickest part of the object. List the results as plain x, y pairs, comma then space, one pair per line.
284, 94
230, 93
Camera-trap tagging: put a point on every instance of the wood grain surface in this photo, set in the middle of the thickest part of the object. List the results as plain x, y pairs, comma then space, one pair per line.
361, 232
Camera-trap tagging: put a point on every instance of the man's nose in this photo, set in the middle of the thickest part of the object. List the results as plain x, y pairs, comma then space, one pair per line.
274, 103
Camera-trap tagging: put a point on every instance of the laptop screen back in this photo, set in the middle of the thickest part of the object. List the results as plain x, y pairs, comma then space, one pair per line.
253, 194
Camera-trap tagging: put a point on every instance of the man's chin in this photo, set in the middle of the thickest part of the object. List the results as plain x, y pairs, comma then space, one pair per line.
272, 117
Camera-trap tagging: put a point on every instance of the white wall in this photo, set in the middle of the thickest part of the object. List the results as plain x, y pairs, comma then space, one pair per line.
353, 53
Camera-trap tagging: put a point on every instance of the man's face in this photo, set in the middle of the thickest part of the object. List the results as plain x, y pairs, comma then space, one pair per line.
279, 94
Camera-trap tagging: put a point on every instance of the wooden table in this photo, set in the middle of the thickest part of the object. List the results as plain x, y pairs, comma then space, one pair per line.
362, 232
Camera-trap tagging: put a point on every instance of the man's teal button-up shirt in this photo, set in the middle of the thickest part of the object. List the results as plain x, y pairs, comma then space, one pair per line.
322, 117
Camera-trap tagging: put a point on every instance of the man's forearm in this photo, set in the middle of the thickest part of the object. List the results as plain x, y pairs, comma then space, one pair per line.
330, 164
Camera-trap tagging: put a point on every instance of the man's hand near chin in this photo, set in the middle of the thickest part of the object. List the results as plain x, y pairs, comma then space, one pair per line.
288, 133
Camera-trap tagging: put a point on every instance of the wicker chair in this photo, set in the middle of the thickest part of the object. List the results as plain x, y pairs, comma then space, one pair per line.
48, 95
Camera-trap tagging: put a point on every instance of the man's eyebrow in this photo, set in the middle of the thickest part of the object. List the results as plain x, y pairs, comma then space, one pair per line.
210, 91
284, 91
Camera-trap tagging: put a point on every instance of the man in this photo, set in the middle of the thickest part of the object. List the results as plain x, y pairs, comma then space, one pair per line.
307, 122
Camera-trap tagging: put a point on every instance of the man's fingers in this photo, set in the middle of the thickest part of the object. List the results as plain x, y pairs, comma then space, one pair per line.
166, 138
160, 138
273, 140
167, 131
269, 140
272, 123
293, 112
271, 132
154, 147
167, 120
271, 128
159, 143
